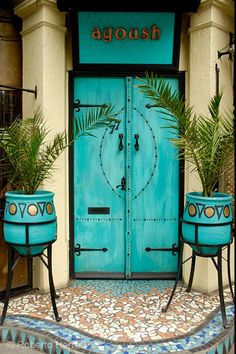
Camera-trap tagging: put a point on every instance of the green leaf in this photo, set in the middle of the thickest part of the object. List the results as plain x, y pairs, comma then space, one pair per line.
28, 159
205, 142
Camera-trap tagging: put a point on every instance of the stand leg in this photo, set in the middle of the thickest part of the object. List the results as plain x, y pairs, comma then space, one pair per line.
190, 282
229, 273
30, 272
51, 284
177, 277
9, 281
220, 285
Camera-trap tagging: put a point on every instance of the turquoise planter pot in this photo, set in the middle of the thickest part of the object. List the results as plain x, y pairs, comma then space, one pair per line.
29, 221
212, 217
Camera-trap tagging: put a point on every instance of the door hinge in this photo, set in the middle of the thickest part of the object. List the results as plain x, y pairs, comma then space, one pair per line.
77, 105
174, 249
78, 249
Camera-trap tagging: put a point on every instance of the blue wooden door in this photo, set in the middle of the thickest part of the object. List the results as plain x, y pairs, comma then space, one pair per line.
126, 187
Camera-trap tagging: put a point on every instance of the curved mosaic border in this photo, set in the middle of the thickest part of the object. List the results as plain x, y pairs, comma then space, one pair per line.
51, 337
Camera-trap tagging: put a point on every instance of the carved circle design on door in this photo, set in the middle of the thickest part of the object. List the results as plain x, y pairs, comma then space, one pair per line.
105, 174
106, 133
155, 155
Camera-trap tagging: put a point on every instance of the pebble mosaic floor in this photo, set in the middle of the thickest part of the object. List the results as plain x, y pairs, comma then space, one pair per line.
118, 316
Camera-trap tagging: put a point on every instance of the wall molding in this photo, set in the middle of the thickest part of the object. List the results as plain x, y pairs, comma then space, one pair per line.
227, 6
209, 24
28, 7
43, 24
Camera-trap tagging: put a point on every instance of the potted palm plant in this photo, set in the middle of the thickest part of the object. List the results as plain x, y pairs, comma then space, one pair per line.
206, 142
30, 216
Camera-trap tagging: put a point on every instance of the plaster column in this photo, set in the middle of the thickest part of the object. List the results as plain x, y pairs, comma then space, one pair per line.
208, 33
43, 37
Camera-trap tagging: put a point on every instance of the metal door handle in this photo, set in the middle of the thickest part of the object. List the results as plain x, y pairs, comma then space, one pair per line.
136, 145
121, 146
123, 184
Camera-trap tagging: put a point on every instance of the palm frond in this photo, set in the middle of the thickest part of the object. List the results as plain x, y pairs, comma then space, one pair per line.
214, 106
95, 119
30, 157
203, 141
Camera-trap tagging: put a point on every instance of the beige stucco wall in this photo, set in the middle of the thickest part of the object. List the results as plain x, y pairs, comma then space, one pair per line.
46, 60
208, 33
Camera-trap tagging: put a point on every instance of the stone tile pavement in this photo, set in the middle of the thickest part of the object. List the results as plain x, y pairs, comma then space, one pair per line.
120, 316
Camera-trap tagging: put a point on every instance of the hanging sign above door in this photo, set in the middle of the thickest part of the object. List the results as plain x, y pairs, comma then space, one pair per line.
128, 38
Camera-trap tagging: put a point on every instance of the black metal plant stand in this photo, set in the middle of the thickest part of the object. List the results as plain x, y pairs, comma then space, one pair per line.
11, 266
197, 251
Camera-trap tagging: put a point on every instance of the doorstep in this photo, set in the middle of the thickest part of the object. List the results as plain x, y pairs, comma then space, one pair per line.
120, 316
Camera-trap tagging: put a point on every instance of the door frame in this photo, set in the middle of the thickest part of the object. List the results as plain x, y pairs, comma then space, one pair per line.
105, 73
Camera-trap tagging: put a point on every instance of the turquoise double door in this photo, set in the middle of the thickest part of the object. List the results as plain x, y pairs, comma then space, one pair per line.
126, 187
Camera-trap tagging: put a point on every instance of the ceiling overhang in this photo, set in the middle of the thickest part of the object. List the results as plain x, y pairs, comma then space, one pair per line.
165, 5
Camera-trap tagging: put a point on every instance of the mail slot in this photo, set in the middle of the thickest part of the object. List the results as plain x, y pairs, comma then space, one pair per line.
98, 210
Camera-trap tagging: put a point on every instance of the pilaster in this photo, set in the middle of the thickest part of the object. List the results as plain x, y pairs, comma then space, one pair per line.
208, 33
43, 37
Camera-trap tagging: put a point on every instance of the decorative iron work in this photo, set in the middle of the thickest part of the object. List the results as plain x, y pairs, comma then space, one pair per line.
77, 105
174, 249
136, 148
218, 265
123, 184
35, 91
11, 266
10, 109
136, 145
78, 249
121, 146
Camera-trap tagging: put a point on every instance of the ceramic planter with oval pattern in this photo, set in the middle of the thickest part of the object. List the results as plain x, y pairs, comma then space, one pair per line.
207, 222
30, 221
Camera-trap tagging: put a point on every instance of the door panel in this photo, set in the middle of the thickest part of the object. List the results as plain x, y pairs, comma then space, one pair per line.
145, 215
155, 197
98, 168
